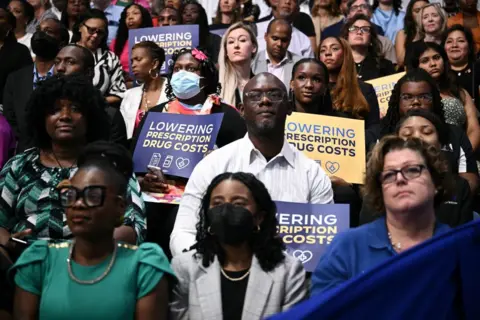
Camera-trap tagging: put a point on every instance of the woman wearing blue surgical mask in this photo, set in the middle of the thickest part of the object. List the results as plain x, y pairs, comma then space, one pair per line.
192, 87
238, 268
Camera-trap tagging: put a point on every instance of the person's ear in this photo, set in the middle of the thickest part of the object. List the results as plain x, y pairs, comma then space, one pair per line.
156, 65
241, 108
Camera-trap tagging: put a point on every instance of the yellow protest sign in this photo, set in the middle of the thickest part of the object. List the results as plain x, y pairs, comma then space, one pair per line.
383, 88
338, 144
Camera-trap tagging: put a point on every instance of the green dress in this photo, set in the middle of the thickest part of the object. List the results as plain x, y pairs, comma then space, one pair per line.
42, 270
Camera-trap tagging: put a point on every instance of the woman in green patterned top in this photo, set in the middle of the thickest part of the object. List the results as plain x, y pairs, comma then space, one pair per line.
63, 115
93, 276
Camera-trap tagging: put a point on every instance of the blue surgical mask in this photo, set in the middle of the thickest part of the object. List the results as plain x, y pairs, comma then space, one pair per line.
185, 85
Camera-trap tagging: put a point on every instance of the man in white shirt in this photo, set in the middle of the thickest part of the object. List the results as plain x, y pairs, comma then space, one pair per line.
286, 172
300, 44
277, 59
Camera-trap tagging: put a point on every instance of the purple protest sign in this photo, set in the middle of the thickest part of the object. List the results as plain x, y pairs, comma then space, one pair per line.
175, 142
169, 38
307, 229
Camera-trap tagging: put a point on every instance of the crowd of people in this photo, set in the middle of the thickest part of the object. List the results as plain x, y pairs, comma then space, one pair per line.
74, 238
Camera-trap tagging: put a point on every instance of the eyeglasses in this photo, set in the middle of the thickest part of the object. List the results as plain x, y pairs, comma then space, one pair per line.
91, 31
359, 7
355, 29
93, 196
272, 95
425, 97
408, 173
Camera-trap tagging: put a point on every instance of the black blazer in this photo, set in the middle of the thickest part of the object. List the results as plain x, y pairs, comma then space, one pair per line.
17, 91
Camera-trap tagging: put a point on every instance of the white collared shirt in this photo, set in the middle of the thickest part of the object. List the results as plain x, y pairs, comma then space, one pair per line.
277, 70
289, 176
299, 44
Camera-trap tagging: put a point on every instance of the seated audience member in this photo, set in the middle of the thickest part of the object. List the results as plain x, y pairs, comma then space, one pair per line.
287, 173
325, 14
426, 126
7, 141
42, 11
24, 14
310, 94
417, 90
351, 96
75, 59
433, 23
458, 105
168, 16
147, 60
194, 13
276, 59
72, 13
13, 55
106, 279
300, 43
405, 180
460, 48
366, 49
46, 43
387, 14
192, 87
133, 16
356, 7
91, 32
410, 32
113, 14
469, 17
238, 48
63, 115
236, 255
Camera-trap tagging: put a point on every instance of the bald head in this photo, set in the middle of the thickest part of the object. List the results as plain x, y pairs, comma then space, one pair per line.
264, 79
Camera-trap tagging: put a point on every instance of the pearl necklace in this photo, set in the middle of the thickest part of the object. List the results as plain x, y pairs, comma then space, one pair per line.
96, 280
235, 279
396, 246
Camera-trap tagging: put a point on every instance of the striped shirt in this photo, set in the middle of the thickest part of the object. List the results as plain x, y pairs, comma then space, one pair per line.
108, 74
289, 176
29, 199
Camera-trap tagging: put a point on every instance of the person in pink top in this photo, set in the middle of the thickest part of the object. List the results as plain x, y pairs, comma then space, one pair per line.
134, 16
7, 141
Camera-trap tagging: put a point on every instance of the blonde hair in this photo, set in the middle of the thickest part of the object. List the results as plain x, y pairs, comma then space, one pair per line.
227, 74
346, 95
441, 13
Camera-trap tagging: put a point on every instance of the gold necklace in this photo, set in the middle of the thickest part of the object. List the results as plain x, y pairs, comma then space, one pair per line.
235, 279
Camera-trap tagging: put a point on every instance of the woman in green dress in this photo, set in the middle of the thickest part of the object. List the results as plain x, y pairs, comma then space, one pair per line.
93, 276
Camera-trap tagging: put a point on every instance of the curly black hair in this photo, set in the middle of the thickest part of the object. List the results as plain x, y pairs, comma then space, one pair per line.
112, 158
122, 32
391, 119
76, 88
397, 6
447, 81
208, 71
267, 247
325, 105
410, 25
91, 14
375, 47
468, 35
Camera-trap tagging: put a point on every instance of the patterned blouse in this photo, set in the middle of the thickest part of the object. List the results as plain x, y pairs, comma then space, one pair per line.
108, 77
29, 199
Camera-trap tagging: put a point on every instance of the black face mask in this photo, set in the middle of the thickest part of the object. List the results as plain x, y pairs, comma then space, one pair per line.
231, 224
45, 46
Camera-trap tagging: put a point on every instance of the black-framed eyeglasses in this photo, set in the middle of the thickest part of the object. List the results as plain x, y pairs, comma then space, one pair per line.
355, 29
426, 97
408, 173
272, 95
92, 31
92, 196
361, 6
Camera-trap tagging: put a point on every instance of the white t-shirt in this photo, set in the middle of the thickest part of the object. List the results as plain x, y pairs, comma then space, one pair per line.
26, 41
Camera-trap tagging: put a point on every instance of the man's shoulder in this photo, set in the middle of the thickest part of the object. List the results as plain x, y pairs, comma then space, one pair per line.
22, 72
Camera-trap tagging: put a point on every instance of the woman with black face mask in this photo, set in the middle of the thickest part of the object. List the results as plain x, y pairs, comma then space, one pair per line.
238, 269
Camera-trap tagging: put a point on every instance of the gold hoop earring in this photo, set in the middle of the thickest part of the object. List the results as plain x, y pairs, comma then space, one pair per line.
155, 72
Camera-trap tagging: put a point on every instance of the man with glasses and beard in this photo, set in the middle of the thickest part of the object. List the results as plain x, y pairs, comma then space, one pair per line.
286, 172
